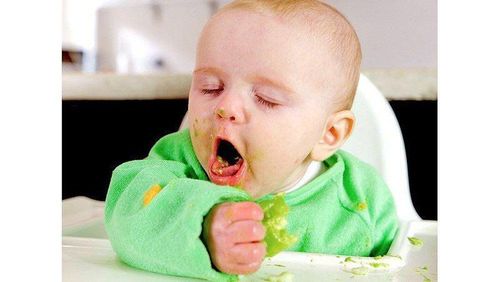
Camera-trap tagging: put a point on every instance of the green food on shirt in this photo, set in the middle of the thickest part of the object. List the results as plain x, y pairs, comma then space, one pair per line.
277, 237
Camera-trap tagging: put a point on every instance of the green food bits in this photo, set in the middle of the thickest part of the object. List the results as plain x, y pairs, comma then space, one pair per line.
379, 264
349, 259
361, 206
422, 269
277, 237
416, 241
221, 112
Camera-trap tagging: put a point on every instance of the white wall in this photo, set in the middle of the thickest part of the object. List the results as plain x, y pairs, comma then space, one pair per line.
134, 38
393, 33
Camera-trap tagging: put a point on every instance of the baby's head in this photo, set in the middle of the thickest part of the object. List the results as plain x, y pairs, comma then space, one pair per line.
272, 90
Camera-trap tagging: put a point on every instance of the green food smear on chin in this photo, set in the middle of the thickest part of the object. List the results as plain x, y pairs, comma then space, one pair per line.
277, 237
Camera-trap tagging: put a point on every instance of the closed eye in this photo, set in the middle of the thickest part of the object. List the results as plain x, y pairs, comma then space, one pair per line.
211, 91
265, 102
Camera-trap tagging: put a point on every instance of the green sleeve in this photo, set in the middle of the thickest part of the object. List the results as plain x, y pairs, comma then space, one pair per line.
163, 236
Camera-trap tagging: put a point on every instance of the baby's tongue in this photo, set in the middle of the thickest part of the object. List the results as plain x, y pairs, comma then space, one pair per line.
222, 168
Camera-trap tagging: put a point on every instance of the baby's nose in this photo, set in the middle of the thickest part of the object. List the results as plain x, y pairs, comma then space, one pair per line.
223, 114
230, 115
230, 109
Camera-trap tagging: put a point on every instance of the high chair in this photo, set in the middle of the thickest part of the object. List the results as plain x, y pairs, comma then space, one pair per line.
377, 139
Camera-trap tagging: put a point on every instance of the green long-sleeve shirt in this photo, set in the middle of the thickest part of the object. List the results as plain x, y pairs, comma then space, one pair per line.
347, 210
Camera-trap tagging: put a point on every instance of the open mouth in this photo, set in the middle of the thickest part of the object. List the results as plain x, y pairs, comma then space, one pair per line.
227, 165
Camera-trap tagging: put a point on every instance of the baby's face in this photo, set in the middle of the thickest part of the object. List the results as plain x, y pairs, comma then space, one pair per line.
257, 102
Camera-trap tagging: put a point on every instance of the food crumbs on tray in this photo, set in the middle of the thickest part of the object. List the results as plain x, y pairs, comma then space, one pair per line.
379, 264
416, 241
279, 265
282, 277
421, 271
151, 193
349, 259
362, 270
377, 257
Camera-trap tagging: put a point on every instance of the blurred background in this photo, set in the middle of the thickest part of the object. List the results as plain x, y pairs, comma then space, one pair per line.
158, 37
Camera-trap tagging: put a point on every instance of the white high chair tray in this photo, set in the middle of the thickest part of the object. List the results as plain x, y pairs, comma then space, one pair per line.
87, 255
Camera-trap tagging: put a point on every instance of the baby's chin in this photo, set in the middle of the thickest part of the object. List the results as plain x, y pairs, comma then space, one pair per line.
256, 191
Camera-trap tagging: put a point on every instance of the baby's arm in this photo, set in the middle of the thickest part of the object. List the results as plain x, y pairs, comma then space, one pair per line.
161, 232
234, 236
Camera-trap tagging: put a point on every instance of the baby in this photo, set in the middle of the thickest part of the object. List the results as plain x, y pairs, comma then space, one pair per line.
269, 108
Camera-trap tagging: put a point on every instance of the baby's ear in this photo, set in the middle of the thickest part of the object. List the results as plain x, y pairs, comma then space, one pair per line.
337, 130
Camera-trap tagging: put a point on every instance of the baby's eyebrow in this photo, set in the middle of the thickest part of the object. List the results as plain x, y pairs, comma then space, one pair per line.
209, 70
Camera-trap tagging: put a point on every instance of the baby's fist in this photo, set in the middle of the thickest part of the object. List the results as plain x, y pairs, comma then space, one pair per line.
234, 235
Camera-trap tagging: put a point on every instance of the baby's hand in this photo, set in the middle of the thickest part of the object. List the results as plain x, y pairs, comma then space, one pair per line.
234, 235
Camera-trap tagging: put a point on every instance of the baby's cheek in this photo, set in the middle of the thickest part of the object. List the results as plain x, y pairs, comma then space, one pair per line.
202, 138
200, 128
273, 168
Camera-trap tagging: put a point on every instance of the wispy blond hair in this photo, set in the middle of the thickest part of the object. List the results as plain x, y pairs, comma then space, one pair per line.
325, 21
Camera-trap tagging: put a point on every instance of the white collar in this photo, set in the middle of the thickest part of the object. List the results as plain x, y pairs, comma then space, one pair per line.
314, 169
